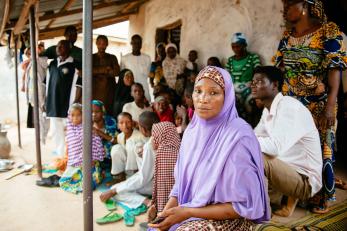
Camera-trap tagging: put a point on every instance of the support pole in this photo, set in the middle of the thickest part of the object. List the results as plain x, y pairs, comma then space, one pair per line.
36, 95
87, 114
17, 94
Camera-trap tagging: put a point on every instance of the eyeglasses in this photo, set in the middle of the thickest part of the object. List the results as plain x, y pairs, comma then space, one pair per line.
257, 82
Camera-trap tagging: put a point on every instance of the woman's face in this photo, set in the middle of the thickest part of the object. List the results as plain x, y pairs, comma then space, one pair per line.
128, 79
171, 52
76, 116
294, 11
208, 98
97, 114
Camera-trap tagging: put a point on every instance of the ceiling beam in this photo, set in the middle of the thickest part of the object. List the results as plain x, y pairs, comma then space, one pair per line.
59, 31
23, 18
62, 10
5, 15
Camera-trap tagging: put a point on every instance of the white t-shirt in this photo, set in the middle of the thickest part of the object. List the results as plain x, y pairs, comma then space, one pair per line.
288, 132
134, 110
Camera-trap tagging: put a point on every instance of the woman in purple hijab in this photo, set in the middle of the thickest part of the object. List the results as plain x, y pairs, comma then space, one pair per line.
219, 174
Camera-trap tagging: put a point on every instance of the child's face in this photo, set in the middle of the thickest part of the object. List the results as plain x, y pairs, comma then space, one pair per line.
178, 121
76, 116
97, 114
162, 106
128, 79
192, 56
137, 93
125, 124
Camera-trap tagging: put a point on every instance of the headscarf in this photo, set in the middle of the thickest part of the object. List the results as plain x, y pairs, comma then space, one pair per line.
167, 141
110, 127
122, 94
239, 38
317, 10
74, 141
220, 161
170, 45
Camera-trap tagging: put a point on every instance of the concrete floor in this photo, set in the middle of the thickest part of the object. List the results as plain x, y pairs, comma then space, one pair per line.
25, 206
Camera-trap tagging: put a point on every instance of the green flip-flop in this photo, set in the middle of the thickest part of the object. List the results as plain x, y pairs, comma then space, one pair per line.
129, 219
111, 205
109, 218
139, 210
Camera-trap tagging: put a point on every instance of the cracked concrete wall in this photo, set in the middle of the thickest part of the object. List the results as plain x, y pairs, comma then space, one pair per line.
207, 25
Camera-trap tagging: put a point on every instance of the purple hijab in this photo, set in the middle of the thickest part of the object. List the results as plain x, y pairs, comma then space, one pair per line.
220, 161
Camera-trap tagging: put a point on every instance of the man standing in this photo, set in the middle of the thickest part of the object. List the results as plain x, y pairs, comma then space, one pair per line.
138, 63
289, 141
61, 92
105, 69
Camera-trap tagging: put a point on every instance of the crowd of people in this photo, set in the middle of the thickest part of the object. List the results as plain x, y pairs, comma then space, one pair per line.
202, 148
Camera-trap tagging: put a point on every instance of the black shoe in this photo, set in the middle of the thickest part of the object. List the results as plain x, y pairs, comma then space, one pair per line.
51, 181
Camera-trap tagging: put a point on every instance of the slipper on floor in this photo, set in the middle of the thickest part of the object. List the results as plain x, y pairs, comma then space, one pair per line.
129, 219
111, 205
109, 218
51, 181
139, 210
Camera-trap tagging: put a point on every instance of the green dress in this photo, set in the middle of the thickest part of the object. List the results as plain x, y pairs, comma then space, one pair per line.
241, 72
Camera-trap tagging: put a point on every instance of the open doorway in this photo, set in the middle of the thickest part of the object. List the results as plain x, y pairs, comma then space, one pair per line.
169, 34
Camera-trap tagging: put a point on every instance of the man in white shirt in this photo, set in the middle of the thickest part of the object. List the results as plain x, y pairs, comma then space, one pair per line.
289, 141
139, 63
132, 191
139, 104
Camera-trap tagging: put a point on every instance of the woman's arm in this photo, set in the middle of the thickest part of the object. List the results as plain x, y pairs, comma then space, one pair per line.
328, 119
178, 214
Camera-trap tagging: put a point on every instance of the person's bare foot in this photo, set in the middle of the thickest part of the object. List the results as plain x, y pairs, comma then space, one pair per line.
287, 209
151, 213
107, 195
116, 179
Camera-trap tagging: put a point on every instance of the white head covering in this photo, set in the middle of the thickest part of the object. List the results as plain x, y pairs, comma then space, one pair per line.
170, 45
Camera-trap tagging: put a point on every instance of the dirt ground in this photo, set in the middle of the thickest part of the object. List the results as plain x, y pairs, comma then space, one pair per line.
25, 206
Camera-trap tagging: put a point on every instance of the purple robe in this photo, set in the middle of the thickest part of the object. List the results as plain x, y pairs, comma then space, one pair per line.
220, 161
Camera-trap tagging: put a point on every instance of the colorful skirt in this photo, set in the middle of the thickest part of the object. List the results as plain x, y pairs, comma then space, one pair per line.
72, 178
212, 225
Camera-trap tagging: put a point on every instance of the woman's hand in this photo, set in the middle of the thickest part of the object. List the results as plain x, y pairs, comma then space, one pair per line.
172, 216
327, 119
152, 213
107, 195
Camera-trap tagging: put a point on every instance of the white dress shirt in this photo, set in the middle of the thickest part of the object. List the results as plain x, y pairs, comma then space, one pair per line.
288, 133
141, 181
134, 110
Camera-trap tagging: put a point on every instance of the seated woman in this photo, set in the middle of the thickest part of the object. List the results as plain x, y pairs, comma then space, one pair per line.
106, 127
71, 180
219, 175
122, 94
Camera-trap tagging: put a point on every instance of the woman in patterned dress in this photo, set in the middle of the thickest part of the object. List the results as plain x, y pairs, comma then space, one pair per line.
312, 55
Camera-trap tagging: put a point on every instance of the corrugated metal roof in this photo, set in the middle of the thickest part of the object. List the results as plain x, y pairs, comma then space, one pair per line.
53, 19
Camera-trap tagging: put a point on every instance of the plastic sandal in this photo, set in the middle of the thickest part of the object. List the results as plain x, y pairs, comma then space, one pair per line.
111, 205
129, 219
109, 218
139, 210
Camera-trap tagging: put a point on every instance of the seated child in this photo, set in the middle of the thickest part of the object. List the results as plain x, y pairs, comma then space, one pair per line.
132, 191
188, 101
71, 180
163, 109
139, 104
123, 154
106, 127
192, 66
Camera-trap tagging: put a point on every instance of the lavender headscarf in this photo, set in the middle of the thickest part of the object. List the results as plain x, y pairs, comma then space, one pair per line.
220, 161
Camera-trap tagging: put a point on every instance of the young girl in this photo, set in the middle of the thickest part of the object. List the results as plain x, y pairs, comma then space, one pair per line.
71, 180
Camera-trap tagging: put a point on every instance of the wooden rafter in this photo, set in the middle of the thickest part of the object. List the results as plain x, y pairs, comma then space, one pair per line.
23, 18
62, 10
132, 5
59, 31
5, 15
